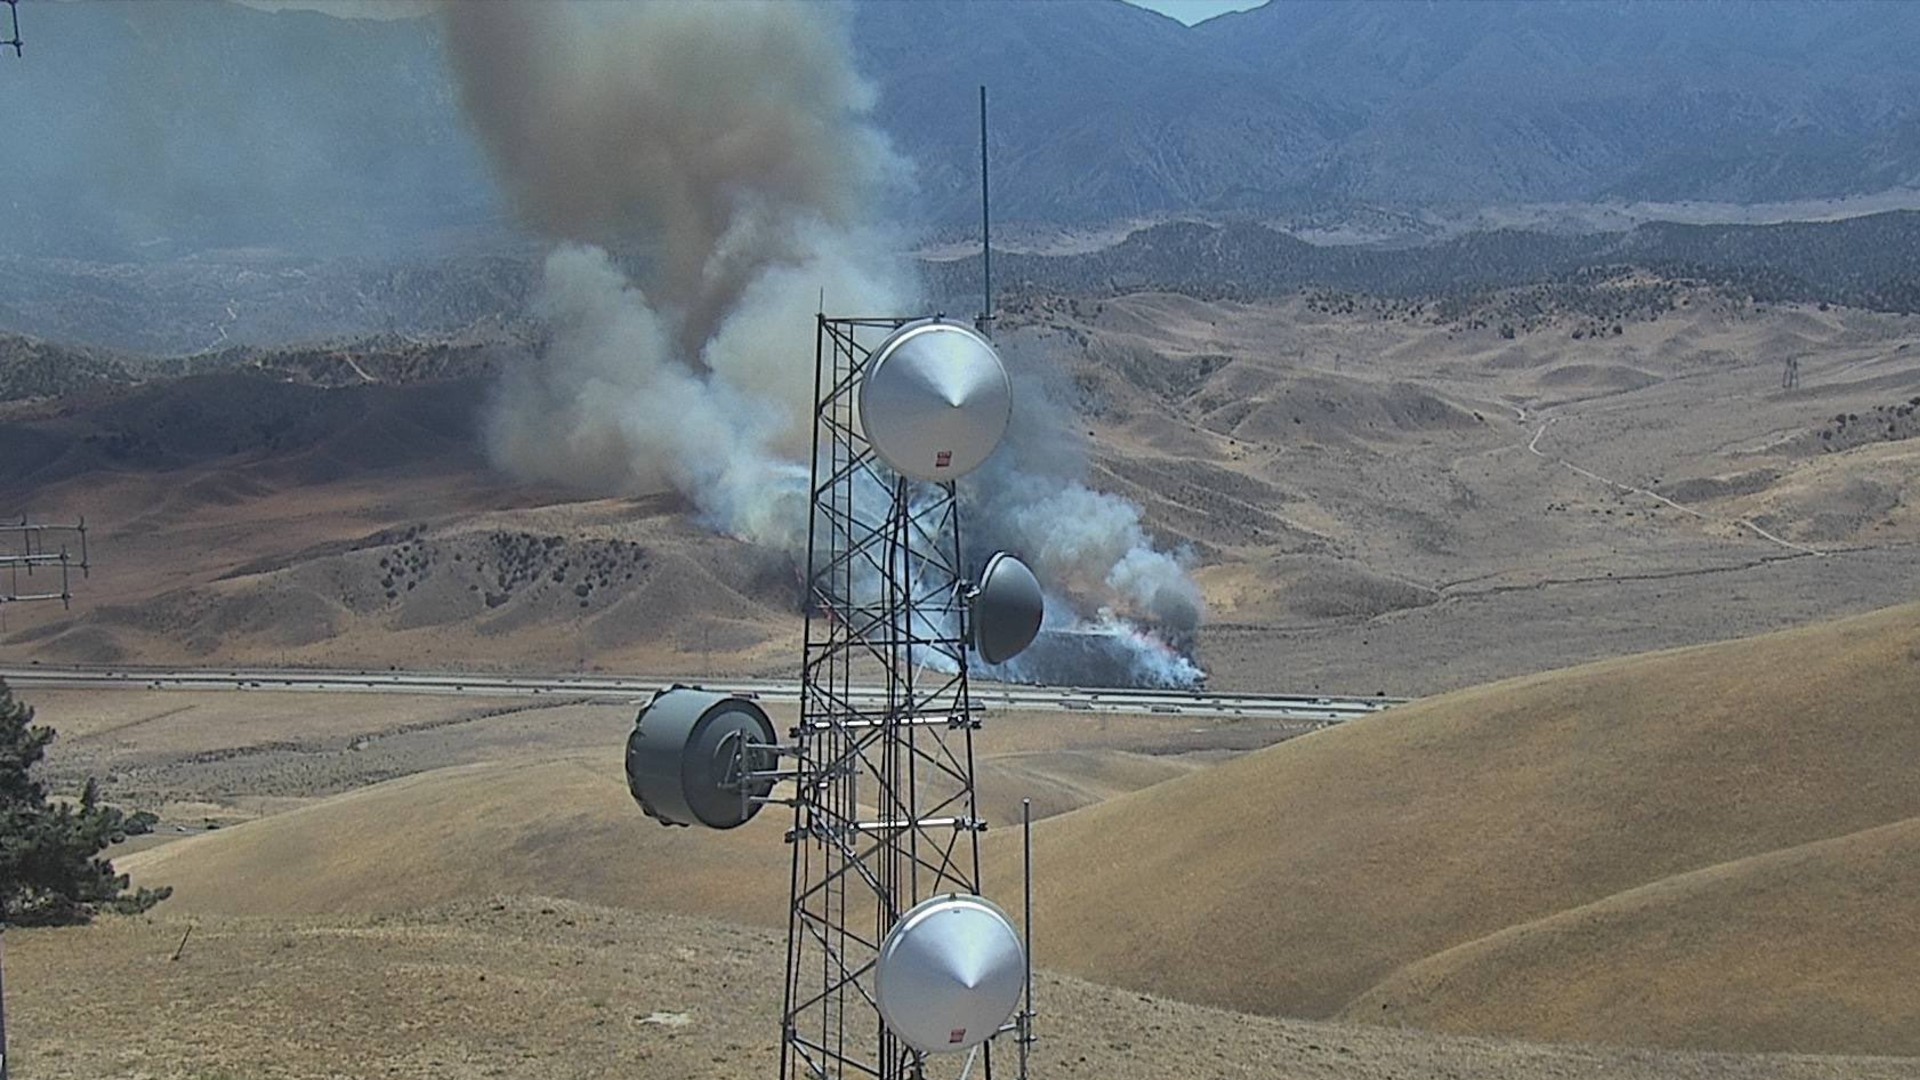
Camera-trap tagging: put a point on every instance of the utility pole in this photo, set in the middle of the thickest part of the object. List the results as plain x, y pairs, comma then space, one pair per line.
2, 1000
985, 322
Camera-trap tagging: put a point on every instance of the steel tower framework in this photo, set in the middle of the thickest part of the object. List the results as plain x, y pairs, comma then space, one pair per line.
884, 811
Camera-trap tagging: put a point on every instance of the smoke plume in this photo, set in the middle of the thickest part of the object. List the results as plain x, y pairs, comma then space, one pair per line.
722, 148
707, 177
1103, 576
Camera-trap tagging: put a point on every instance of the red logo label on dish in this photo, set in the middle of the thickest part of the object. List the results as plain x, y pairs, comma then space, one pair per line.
943, 459
957, 1035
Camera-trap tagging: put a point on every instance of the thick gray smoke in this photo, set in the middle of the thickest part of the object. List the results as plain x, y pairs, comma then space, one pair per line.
724, 149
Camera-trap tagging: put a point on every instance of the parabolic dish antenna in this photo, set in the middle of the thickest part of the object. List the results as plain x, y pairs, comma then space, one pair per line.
689, 753
949, 973
1006, 609
935, 400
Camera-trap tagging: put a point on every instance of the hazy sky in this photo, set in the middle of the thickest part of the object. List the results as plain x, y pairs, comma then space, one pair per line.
1193, 11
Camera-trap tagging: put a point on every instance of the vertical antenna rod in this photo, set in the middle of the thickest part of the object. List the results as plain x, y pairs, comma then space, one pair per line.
3, 1013
1026, 858
13, 7
986, 227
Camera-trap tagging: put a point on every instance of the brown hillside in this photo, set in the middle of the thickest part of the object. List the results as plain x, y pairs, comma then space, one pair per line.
1292, 880
1809, 949
547, 989
559, 824
562, 826
1388, 498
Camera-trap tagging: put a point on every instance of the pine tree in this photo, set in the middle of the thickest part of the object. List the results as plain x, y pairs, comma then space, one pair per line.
50, 870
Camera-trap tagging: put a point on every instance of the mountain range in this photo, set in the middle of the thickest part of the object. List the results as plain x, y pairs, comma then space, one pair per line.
303, 132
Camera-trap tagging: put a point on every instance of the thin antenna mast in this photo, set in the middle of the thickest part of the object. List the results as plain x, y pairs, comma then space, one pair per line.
3, 1009
986, 228
1026, 864
13, 8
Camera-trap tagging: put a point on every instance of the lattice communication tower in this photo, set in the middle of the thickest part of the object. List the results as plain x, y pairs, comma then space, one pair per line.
885, 814
897, 967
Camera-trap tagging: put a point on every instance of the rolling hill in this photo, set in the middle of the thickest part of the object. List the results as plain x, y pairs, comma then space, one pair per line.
1558, 831
1795, 951
549, 989
559, 822
1710, 848
557, 827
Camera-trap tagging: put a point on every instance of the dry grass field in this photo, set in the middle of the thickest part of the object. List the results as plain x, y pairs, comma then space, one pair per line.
1385, 499
1807, 949
379, 803
1702, 850
1703, 847
549, 989
1706, 849
561, 827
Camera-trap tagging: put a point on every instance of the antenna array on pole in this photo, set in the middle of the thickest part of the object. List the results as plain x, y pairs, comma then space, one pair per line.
13, 9
32, 556
986, 227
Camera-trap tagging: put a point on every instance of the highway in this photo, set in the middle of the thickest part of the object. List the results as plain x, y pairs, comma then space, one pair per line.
992, 695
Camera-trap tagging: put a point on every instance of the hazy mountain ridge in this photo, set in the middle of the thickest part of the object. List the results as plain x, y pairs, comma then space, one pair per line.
204, 312
1870, 262
327, 136
1517, 100
211, 303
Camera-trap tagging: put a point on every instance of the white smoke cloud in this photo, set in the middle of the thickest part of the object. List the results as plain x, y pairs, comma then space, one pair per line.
723, 149
1088, 543
1104, 576
724, 139
613, 409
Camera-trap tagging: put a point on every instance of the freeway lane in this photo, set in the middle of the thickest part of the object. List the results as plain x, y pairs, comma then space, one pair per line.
991, 695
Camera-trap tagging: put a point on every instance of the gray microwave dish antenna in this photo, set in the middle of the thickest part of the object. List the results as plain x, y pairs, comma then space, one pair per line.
935, 400
1006, 608
698, 757
950, 973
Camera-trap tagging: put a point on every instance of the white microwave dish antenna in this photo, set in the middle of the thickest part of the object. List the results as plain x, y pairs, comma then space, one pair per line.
935, 400
950, 973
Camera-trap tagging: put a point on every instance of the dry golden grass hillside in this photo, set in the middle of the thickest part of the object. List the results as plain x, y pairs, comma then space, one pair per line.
535, 802
565, 826
1294, 880
1803, 950
547, 989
